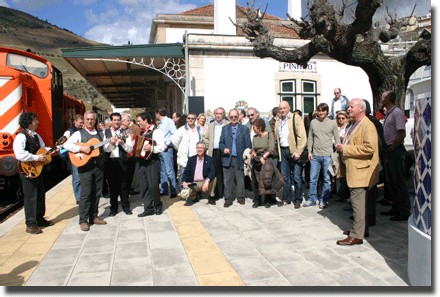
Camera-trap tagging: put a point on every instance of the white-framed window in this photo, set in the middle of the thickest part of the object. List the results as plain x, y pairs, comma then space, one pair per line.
310, 94
288, 92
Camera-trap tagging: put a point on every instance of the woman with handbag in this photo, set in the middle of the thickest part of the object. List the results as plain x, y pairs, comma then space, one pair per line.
263, 148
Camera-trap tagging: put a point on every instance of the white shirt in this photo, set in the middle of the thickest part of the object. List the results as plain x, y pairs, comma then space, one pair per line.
19, 147
217, 133
284, 131
113, 149
76, 138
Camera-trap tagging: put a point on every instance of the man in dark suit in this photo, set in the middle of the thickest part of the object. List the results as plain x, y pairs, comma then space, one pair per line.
199, 174
233, 142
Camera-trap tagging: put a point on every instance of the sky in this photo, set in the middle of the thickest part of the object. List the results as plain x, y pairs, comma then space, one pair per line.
118, 21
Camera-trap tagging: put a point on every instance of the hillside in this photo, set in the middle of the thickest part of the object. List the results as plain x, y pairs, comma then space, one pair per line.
23, 31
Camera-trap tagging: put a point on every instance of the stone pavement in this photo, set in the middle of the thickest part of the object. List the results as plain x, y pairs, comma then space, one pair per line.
201, 245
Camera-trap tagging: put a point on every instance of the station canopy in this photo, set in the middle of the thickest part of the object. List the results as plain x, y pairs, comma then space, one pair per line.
129, 76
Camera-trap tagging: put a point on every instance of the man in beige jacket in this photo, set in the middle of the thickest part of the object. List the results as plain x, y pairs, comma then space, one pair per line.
212, 139
291, 138
359, 153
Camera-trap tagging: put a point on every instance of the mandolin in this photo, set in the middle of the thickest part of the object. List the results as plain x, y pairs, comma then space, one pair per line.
33, 169
80, 159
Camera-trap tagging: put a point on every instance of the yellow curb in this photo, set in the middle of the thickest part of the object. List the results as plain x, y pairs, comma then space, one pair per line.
208, 262
21, 253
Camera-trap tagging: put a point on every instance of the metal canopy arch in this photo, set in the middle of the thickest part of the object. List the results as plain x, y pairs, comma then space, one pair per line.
132, 76
172, 68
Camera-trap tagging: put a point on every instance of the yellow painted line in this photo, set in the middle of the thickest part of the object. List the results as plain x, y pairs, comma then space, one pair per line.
208, 262
21, 252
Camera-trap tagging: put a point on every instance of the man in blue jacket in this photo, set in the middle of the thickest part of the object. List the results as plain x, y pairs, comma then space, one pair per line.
199, 173
233, 142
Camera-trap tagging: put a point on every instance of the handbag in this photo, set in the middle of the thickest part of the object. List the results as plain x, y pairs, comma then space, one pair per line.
304, 158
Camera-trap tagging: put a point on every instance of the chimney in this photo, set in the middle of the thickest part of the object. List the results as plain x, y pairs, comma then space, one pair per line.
294, 9
222, 13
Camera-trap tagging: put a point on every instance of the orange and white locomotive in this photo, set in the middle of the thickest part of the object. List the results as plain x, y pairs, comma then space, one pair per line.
29, 82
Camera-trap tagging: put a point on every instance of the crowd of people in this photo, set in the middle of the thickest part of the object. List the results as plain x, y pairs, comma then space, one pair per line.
339, 149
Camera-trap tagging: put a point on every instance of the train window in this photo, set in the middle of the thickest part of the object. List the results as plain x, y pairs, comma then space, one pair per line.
27, 64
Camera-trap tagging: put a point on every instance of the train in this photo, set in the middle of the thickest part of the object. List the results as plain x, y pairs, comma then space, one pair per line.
30, 83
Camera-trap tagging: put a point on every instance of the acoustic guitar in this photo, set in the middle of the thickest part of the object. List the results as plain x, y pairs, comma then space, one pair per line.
80, 159
33, 169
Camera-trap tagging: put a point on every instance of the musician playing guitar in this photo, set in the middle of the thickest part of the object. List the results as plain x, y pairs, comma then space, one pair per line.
149, 169
91, 174
26, 144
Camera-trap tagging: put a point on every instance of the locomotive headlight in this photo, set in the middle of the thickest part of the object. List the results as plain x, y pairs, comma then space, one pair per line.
5, 143
5, 136
8, 165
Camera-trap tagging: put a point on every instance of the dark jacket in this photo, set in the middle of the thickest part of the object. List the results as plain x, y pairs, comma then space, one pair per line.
190, 169
270, 180
243, 141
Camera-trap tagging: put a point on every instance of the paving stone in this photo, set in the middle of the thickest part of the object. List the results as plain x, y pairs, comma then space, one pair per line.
50, 276
132, 250
254, 269
168, 257
260, 237
99, 245
174, 276
164, 240
237, 248
132, 272
93, 263
94, 280
70, 240
134, 235
60, 257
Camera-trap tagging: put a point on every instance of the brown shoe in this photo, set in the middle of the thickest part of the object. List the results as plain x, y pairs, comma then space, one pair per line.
349, 241
241, 201
99, 221
33, 230
84, 226
227, 203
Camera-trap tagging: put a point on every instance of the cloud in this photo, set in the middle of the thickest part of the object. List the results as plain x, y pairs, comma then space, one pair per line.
26, 5
128, 20
4, 3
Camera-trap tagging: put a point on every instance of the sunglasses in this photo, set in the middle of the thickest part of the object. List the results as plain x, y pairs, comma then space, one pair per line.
190, 118
251, 115
341, 118
233, 117
336, 93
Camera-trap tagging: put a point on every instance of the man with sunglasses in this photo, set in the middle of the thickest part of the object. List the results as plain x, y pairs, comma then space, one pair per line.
234, 140
339, 102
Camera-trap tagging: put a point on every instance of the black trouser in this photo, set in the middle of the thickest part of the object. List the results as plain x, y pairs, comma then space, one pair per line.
149, 179
116, 172
130, 166
396, 181
91, 190
34, 199
219, 188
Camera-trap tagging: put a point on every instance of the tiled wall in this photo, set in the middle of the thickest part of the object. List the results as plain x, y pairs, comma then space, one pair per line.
422, 149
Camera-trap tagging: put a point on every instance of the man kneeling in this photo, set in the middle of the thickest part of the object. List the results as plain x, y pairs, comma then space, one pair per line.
197, 179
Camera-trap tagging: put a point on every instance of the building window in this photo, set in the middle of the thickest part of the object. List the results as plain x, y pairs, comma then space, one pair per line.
309, 96
288, 93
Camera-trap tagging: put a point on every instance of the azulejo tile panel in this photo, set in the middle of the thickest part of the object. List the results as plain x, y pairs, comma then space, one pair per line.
422, 150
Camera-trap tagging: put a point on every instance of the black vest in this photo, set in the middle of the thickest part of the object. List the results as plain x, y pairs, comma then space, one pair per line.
122, 152
95, 161
32, 143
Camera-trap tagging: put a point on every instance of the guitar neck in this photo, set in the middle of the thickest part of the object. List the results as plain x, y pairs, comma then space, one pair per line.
99, 144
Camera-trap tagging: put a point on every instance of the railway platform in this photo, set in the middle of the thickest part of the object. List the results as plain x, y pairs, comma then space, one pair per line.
201, 245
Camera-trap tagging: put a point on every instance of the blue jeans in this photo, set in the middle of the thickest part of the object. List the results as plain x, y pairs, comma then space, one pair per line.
317, 164
167, 172
76, 184
289, 168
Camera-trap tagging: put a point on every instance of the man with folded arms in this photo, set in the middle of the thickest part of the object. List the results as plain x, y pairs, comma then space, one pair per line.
359, 152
